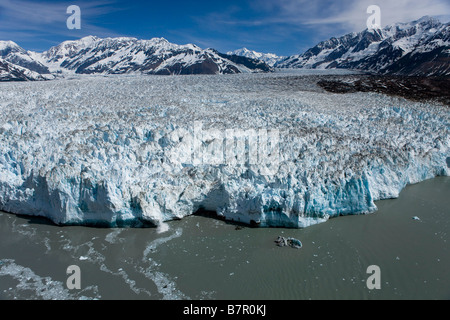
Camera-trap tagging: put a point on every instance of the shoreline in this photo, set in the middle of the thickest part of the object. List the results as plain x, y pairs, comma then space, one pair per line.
202, 213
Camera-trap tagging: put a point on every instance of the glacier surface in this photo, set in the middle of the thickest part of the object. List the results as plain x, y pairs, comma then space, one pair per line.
128, 150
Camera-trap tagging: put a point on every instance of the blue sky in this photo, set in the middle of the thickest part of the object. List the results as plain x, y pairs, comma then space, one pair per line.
284, 27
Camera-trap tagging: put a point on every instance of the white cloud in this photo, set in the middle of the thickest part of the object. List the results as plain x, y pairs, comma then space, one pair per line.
352, 14
26, 19
323, 19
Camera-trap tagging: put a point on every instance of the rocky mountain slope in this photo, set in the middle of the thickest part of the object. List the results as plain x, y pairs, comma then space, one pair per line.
11, 72
129, 55
420, 47
92, 55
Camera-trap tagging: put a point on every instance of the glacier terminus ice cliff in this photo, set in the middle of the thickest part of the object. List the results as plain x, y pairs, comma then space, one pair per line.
273, 150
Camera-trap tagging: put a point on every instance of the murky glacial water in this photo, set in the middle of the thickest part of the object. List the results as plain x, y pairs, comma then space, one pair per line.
204, 258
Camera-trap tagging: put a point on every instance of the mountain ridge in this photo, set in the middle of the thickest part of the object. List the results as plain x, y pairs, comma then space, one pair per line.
417, 48
126, 55
11, 72
270, 58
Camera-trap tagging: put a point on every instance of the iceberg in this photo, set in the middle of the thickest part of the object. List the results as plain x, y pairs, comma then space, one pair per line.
136, 151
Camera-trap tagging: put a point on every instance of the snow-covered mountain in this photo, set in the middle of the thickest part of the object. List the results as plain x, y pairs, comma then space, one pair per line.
270, 58
12, 72
421, 47
91, 55
15, 55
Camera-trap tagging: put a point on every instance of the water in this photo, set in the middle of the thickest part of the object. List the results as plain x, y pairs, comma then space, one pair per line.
204, 258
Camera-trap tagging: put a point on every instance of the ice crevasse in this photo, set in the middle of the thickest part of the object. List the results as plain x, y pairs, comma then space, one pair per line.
132, 151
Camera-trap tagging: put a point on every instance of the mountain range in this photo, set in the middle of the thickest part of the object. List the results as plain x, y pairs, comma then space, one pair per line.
92, 55
418, 48
270, 58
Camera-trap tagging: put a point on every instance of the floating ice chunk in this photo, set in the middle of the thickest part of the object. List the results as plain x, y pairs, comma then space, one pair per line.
162, 227
43, 287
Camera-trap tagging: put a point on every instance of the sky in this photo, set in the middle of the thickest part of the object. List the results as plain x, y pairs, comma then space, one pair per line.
283, 27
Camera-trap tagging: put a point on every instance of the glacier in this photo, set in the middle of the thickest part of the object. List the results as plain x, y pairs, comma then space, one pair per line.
120, 151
